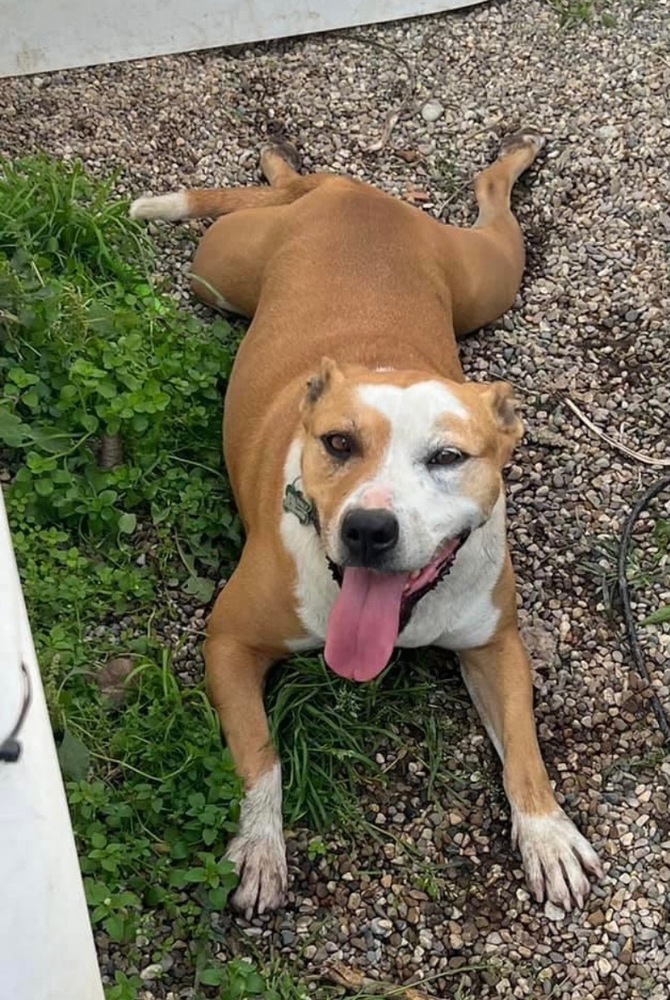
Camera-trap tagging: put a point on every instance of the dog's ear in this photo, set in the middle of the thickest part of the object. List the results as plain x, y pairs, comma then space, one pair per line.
504, 406
328, 375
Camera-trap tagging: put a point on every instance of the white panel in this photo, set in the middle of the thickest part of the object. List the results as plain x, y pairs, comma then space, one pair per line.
46, 944
41, 35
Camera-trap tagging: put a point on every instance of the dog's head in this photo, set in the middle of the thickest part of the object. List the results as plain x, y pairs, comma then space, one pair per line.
400, 468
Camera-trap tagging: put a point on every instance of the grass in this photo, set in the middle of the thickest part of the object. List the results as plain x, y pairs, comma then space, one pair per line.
110, 407
645, 569
573, 13
329, 732
576, 12
661, 539
636, 767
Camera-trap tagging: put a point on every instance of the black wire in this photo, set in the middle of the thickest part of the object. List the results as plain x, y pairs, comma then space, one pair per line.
10, 748
631, 629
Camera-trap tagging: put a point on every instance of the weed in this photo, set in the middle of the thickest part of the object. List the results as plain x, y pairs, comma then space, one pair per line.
575, 12
635, 767
317, 848
602, 564
328, 732
445, 175
152, 834
239, 980
124, 987
662, 545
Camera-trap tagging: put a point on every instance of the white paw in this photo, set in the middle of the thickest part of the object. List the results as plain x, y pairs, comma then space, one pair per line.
260, 862
511, 143
557, 859
163, 206
258, 851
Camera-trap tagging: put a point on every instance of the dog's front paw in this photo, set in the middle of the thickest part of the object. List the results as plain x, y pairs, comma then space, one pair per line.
557, 859
260, 862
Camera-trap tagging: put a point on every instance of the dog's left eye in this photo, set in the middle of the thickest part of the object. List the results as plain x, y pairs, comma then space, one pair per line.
338, 445
444, 457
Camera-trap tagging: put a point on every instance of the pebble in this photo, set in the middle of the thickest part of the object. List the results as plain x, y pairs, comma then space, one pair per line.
553, 912
151, 972
431, 111
381, 927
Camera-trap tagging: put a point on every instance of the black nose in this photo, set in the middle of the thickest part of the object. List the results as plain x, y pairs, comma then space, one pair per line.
368, 534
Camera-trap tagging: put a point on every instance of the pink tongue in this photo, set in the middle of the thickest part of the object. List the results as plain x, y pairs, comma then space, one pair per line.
363, 625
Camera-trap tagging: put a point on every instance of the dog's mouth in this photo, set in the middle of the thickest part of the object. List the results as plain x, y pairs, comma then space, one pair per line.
373, 608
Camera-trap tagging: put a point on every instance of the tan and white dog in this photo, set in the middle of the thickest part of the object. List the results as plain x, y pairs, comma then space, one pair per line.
367, 473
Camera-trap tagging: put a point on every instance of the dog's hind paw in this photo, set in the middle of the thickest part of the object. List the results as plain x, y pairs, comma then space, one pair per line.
529, 139
557, 859
172, 207
261, 866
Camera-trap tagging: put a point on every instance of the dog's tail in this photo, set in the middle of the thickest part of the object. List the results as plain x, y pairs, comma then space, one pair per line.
209, 204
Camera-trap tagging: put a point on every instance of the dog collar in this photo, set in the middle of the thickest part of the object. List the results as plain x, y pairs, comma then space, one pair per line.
295, 502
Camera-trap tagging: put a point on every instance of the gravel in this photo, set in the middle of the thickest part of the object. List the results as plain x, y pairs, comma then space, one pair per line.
440, 896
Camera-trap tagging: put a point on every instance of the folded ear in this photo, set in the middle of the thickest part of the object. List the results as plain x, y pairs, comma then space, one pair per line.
328, 375
500, 397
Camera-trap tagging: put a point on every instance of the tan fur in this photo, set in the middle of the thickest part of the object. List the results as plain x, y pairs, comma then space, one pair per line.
327, 481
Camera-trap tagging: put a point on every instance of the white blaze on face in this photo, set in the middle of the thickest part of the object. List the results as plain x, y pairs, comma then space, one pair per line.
428, 502
413, 407
376, 498
433, 512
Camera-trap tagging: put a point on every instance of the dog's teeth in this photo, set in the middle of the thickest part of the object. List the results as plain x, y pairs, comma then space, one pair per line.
415, 574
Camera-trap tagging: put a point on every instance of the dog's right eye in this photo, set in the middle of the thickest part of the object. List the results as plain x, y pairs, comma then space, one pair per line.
339, 445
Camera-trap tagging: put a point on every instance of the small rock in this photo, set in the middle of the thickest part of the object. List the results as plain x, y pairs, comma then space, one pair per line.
431, 111
113, 679
426, 939
608, 132
381, 927
154, 971
553, 912
626, 953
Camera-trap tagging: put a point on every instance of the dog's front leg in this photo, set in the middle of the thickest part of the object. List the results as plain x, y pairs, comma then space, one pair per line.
556, 857
236, 680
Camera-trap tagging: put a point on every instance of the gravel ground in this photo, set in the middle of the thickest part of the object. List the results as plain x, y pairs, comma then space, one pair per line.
442, 895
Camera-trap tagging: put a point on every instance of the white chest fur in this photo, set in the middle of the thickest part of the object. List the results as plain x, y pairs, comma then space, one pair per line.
458, 614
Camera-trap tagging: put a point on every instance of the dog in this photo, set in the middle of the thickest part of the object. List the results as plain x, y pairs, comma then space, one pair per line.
368, 474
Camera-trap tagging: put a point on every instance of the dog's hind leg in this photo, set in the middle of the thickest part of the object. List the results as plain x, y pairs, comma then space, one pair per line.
278, 163
493, 187
231, 256
230, 260
484, 264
